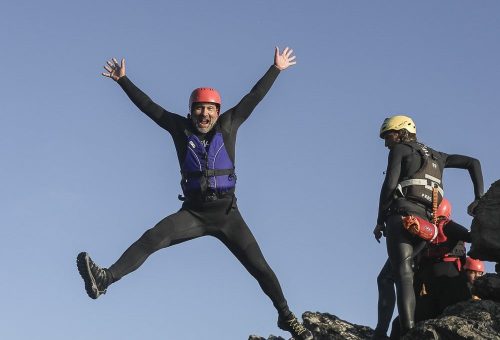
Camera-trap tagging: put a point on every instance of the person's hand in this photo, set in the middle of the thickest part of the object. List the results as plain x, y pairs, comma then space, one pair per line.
115, 70
472, 207
378, 232
285, 59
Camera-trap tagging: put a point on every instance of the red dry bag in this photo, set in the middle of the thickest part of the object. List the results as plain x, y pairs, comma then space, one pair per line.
420, 227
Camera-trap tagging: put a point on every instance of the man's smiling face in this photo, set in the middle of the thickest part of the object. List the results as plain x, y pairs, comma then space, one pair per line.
204, 116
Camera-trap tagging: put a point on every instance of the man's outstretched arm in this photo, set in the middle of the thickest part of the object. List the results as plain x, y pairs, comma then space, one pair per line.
474, 167
117, 72
244, 108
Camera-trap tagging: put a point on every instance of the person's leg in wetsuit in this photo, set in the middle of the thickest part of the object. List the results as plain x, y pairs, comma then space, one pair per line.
225, 224
220, 219
238, 238
422, 281
387, 297
386, 300
174, 229
400, 248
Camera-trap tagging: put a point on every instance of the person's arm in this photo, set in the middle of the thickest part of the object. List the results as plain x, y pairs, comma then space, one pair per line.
457, 232
245, 107
392, 175
154, 111
474, 167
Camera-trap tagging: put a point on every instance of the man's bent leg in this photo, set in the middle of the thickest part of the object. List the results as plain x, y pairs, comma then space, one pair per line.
176, 228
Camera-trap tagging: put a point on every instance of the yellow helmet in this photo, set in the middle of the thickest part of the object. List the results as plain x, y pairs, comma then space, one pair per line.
397, 123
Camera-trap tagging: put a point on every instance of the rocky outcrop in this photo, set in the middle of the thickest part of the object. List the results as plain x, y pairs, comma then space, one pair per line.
465, 320
326, 326
485, 229
271, 337
472, 320
487, 287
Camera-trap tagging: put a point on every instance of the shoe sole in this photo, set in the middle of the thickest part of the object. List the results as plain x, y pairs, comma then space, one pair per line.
82, 262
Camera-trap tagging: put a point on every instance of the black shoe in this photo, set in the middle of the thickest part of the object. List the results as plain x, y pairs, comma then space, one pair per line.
292, 325
96, 279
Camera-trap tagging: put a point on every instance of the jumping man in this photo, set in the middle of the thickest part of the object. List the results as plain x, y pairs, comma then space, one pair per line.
205, 143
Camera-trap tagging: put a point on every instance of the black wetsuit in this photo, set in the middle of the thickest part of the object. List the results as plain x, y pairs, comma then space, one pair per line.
438, 283
404, 160
199, 216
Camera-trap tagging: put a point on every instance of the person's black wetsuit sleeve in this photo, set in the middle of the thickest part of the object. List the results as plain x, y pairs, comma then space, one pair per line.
392, 175
455, 231
473, 166
239, 113
162, 117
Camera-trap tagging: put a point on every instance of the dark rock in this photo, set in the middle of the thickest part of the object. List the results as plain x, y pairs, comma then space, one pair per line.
326, 326
487, 287
485, 228
329, 327
271, 337
465, 320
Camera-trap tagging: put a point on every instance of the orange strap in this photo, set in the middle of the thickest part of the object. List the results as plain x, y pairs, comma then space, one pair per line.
434, 204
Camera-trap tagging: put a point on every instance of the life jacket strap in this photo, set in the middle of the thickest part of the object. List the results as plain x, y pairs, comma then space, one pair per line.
455, 260
417, 181
208, 173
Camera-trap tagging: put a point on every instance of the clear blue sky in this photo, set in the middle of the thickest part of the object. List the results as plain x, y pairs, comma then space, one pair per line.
83, 169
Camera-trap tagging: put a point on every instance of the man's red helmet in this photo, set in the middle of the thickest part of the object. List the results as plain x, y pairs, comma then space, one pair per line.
204, 95
444, 209
472, 264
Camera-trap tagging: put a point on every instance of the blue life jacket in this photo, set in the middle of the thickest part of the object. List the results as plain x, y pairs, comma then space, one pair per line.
204, 170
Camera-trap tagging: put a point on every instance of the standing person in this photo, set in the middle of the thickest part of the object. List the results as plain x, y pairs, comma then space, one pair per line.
205, 144
386, 281
413, 171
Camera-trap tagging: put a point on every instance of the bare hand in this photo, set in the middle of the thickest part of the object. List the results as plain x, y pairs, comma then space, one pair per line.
378, 232
115, 70
284, 60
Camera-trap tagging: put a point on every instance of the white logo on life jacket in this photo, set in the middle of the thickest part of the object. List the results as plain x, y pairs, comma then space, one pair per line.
191, 143
426, 151
432, 182
427, 197
434, 165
